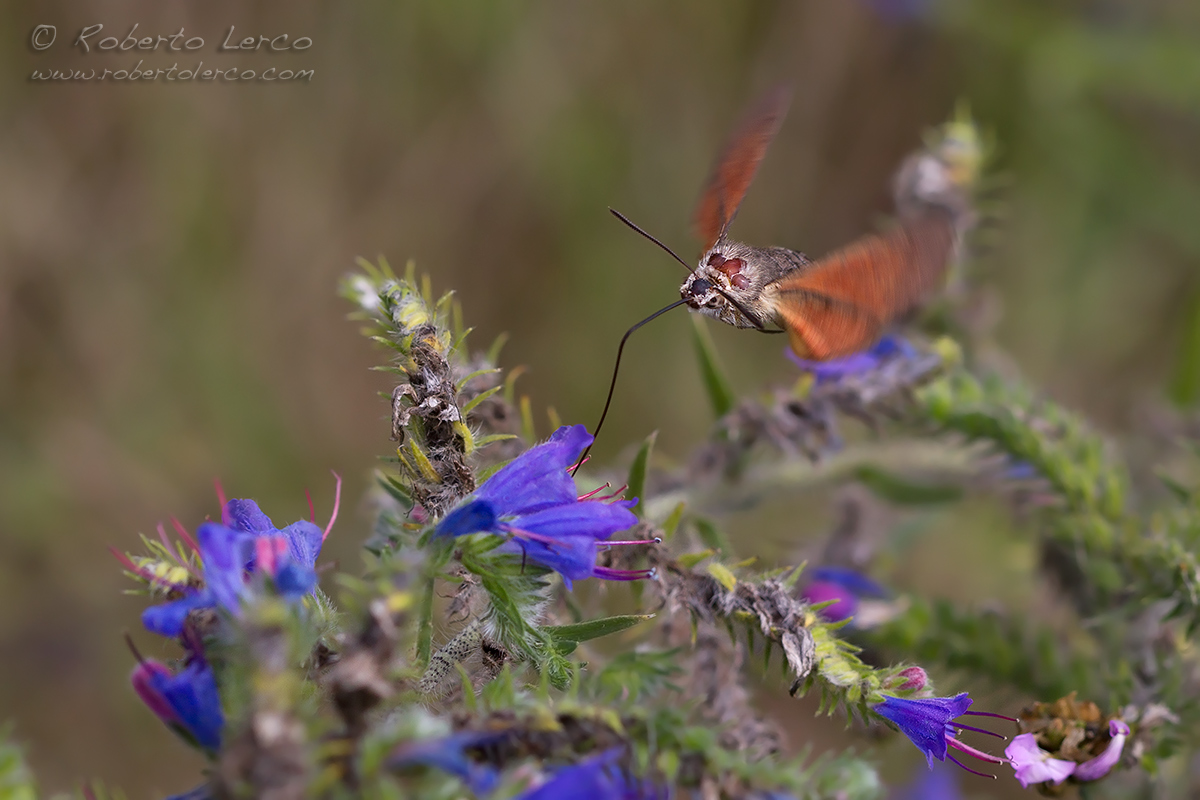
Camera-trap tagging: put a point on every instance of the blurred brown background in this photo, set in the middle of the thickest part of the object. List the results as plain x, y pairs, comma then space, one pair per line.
169, 251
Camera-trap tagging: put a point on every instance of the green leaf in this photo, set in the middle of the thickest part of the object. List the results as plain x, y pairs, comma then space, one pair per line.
392, 485
486, 440
486, 371
896, 489
493, 353
710, 535
722, 574
528, 431
690, 560
593, 628
720, 391
479, 398
637, 473
672, 522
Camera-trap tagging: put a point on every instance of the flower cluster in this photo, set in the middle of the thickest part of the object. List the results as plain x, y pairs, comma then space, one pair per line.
235, 555
243, 545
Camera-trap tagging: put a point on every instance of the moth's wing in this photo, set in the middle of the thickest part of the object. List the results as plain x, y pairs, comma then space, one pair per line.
842, 303
738, 162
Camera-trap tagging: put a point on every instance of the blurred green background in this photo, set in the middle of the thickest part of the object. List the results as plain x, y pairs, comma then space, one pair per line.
169, 253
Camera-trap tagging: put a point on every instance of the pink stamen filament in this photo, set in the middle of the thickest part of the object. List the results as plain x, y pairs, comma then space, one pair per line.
575, 467
987, 714
225, 520
594, 492
183, 534
312, 512
971, 751
655, 540
141, 572
610, 574
264, 556
549, 541
162, 537
615, 494
979, 730
337, 503
968, 769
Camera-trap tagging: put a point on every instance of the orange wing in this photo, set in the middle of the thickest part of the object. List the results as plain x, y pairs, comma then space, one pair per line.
843, 302
736, 167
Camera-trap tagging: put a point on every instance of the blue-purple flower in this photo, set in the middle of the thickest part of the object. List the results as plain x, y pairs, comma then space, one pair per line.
243, 544
601, 777
842, 585
928, 723
187, 701
885, 349
939, 783
449, 754
533, 502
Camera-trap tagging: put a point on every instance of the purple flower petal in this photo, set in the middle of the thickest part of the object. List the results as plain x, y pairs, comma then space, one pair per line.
1033, 764
601, 777
537, 478
304, 542
823, 591
857, 363
475, 516
295, 580
168, 619
193, 698
940, 783
591, 517
851, 579
245, 515
1100, 766
448, 754
225, 553
573, 557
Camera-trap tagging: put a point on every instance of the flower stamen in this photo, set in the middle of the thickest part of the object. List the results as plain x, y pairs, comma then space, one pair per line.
183, 534
968, 769
337, 502
595, 491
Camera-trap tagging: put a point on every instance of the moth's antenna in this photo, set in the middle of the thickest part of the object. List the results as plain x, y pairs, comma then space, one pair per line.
753, 320
631, 224
616, 367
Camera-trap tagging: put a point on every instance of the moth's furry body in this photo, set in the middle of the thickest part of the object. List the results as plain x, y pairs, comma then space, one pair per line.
745, 276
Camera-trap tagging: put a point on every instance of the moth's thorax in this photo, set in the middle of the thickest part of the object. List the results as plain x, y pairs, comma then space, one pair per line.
733, 283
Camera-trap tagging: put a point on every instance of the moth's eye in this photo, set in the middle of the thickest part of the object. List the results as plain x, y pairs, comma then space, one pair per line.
700, 287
